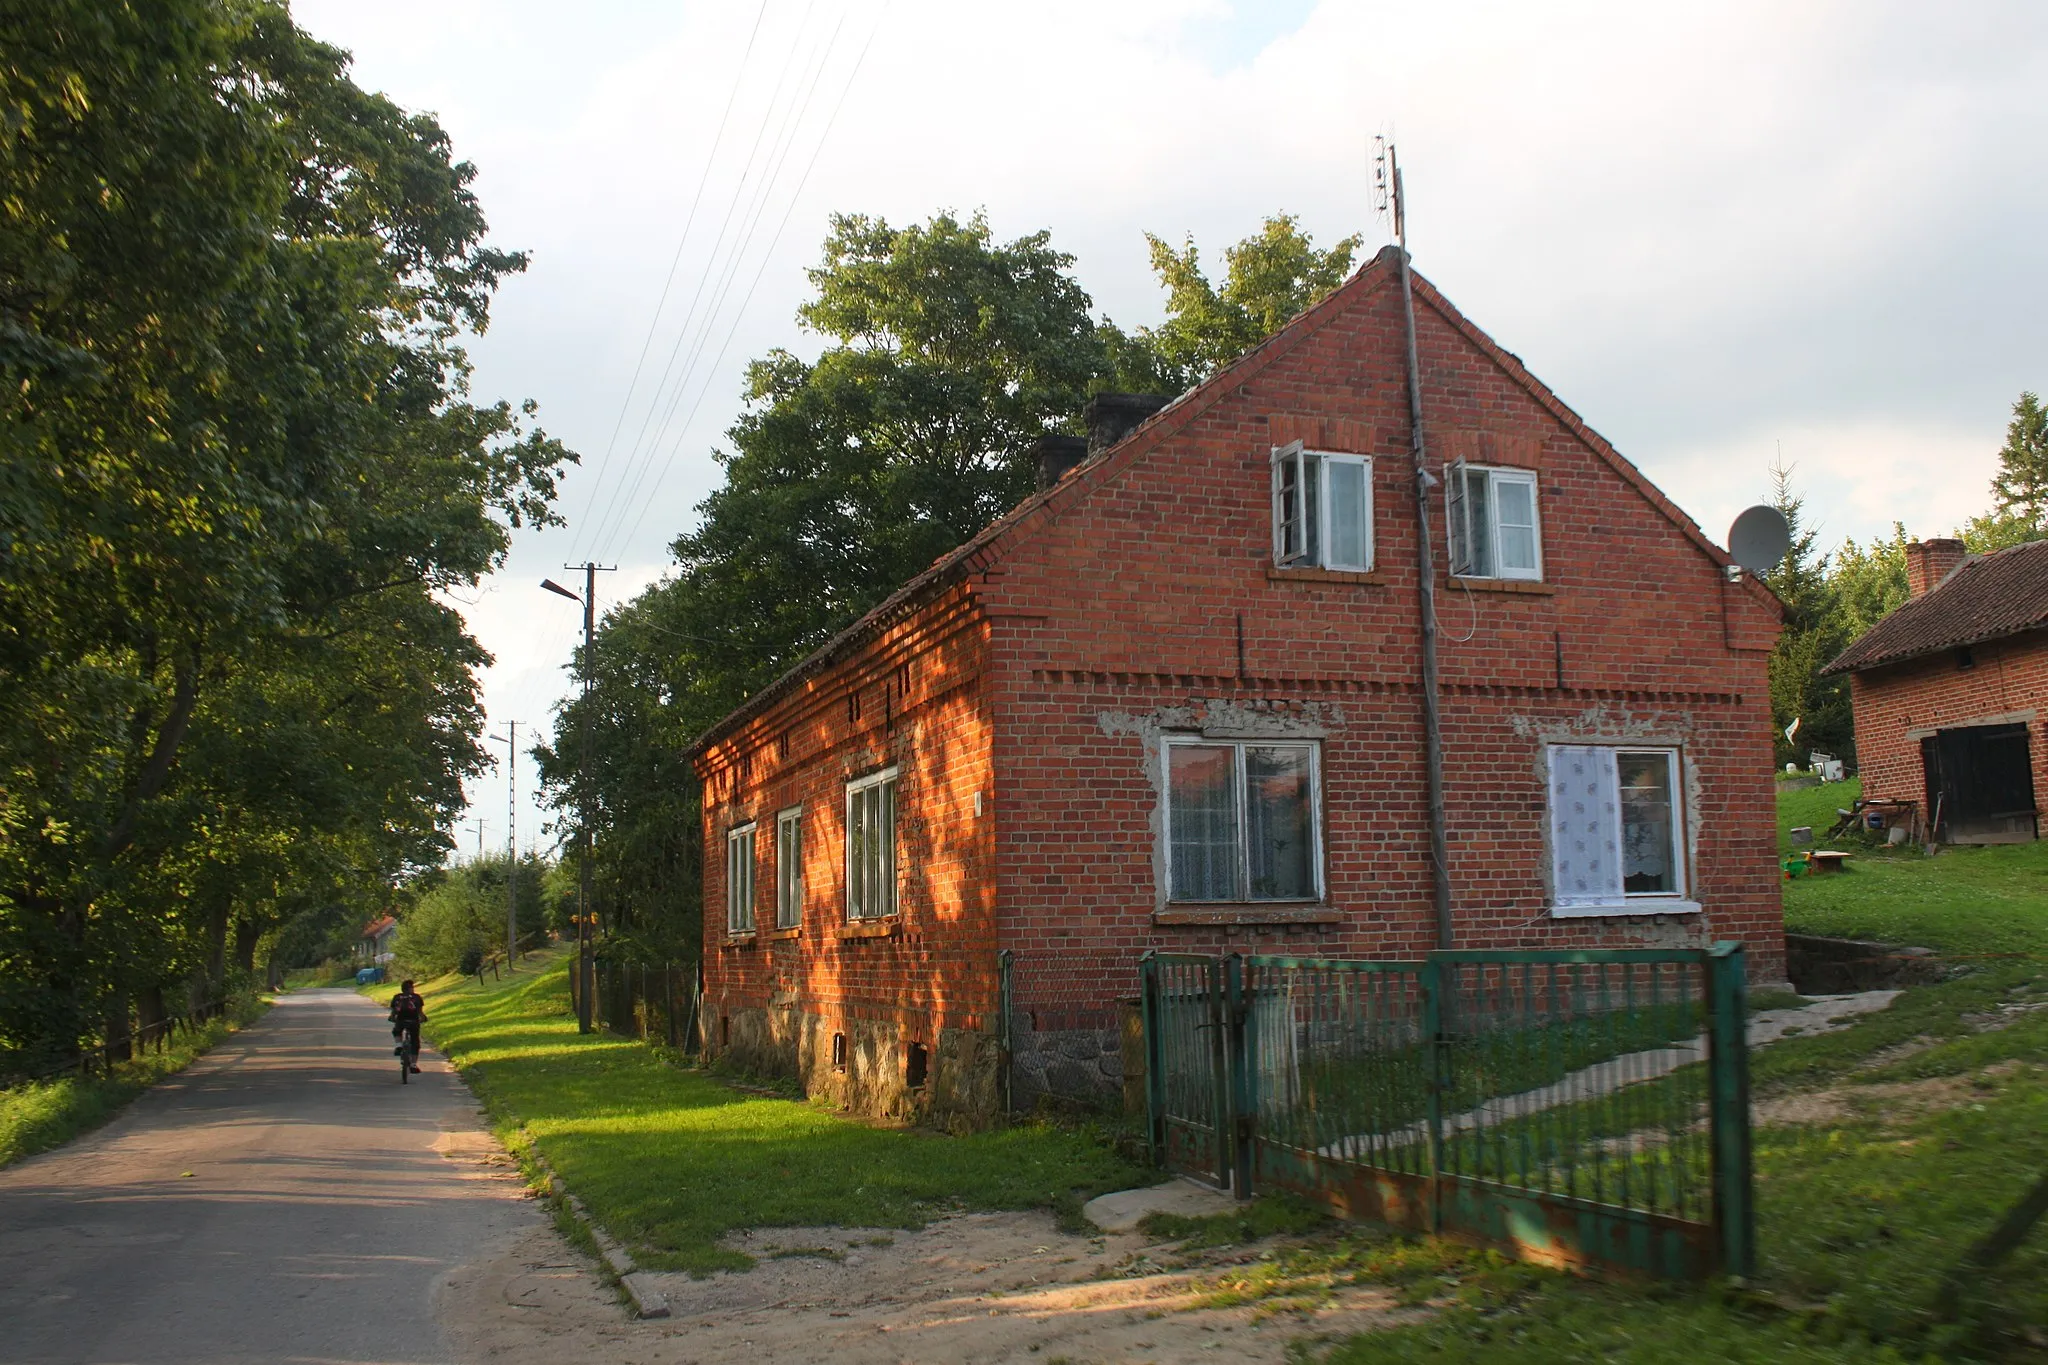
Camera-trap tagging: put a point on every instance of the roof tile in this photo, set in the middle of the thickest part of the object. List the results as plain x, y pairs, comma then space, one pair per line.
1985, 597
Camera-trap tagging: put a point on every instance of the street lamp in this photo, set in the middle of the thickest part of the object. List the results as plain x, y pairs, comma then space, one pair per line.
585, 967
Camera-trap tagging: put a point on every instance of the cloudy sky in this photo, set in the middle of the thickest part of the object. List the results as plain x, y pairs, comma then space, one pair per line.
1720, 232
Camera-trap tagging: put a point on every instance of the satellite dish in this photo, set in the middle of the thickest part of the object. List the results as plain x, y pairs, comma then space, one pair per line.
1759, 539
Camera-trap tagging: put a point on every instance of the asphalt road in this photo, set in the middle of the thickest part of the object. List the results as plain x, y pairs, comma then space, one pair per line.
283, 1199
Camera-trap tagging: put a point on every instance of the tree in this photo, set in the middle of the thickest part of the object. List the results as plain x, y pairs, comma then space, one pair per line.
1867, 584
237, 460
1268, 279
2019, 490
1811, 638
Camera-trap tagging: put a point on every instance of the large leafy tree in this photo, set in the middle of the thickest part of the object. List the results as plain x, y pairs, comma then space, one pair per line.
237, 460
945, 354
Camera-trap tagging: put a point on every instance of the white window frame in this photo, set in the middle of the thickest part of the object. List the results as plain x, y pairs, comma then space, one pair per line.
858, 908
1458, 518
1678, 900
789, 868
739, 880
1315, 816
1293, 455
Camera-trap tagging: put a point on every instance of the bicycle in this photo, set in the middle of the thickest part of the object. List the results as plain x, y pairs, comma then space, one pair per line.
408, 1056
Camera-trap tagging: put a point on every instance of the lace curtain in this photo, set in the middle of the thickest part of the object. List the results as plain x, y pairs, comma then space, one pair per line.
1585, 825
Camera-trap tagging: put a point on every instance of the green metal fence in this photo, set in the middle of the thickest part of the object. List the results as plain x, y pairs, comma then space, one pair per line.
1587, 1109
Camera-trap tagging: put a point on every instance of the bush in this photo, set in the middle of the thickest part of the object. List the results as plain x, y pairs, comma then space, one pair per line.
471, 962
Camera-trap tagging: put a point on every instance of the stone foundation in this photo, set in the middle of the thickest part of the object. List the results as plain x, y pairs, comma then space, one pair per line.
868, 1073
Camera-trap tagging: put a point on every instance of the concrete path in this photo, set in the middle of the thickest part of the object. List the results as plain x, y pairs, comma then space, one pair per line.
284, 1199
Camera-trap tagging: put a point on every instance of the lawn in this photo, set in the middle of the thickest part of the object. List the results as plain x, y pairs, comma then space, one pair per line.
669, 1159
45, 1114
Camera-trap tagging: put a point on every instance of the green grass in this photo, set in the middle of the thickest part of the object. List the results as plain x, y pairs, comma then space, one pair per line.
43, 1114
669, 1160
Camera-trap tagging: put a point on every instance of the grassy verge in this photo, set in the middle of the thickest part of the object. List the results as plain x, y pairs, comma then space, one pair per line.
45, 1114
669, 1160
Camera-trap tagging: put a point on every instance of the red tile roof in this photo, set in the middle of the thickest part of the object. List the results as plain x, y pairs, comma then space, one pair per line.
378, 926
1986, 597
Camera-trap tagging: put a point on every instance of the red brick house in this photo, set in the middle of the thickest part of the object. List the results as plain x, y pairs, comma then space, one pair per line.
1172, 701
1951, 692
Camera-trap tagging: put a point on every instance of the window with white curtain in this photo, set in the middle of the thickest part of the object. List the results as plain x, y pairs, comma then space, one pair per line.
1322, 509
1617, 830
871, 846
739, 880
1494, 531
1242, 821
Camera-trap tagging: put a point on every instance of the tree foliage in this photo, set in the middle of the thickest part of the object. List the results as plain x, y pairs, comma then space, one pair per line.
945, 354
238, 458
1812, 636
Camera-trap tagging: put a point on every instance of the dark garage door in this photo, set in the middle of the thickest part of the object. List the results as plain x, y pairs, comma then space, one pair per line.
1980, 783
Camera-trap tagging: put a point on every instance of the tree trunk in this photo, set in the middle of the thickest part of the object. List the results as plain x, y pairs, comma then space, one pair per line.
246, 937
149, 1014
120, 1046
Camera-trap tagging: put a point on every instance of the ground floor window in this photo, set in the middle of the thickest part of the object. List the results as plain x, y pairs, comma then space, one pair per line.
871, 846
739, 880
1242, 821
789, 869
1617, 829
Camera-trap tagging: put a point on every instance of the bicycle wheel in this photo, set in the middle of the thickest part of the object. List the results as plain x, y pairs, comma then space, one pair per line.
404, 1062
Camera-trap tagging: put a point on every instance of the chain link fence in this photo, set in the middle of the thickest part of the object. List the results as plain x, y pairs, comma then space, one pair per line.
655, 1002
1072, 1037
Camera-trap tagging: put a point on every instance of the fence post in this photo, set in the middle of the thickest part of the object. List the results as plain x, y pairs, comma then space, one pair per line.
1430, 978
1237, 1019
1004, 1043
1155, 1061
1728, 1107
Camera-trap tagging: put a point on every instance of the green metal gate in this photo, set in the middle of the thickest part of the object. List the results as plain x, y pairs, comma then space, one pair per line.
1587, 1109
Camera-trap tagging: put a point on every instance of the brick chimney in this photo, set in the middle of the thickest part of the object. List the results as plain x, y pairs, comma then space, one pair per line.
1929, 561
1055, 455
1109, 417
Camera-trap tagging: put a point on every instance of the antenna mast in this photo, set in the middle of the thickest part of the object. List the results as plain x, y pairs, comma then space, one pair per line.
1393, 201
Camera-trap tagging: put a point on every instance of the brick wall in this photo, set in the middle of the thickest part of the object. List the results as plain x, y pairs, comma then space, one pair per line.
925, 977
1896, 705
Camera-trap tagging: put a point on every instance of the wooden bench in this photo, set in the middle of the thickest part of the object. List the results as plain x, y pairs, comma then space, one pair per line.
1827, 859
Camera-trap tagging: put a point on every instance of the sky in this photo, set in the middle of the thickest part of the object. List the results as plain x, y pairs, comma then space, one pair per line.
1725, 235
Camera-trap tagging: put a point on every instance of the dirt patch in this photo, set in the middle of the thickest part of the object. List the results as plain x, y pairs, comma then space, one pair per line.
1889, 1103
982, 1287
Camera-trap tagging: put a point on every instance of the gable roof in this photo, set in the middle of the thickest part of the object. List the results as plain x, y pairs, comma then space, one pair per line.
1983, 598
985, 549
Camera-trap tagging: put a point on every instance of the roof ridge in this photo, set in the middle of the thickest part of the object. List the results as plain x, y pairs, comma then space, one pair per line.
1987, 596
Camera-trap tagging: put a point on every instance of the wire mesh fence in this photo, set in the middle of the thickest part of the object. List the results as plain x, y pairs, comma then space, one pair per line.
1071, 1032
655, 1002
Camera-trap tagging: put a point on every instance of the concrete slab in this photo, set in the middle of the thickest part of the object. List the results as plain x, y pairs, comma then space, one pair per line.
1121, 1211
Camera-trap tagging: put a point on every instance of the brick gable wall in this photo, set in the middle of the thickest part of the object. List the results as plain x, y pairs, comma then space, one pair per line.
1109, 629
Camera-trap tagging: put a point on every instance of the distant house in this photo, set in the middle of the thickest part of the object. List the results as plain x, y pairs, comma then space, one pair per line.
374, 947
1173, 702
1951, 692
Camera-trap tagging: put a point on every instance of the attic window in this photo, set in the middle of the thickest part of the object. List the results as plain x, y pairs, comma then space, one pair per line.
1494, 532
1964, 658
1322, 509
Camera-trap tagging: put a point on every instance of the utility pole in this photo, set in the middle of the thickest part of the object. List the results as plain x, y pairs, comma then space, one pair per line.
586, 969
1391, 189
510, 739
479, 838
